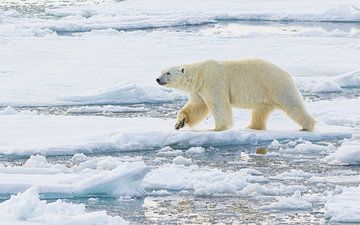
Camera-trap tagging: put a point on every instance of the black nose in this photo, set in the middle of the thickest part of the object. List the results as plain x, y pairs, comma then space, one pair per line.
158, 80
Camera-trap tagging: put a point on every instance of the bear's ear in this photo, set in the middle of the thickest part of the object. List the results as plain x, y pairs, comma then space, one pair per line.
182, 70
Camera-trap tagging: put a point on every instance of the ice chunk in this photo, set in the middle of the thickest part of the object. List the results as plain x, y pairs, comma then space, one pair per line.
293, 174
344, 207
295, 202
308, 147
351, 79
275, 144
271, 189
202, 181
127, 93
27, 208
195, 150
79, 157
123, 179
347, 154
179, 160
8, 111
37, 161
105, 109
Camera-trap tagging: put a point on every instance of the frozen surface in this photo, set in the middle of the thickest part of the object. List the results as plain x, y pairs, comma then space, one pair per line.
104, 69
344, 207
347, 153
295, 202
138, 15
46, 134
103, 176
27, 209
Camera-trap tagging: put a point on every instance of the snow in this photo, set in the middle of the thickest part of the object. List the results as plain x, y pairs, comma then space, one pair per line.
117, 58
27, 208
344, 207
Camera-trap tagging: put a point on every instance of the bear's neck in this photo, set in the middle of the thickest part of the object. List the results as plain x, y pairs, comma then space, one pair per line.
194, 80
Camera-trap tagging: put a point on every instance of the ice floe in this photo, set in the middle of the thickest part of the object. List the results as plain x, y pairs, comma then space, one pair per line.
293, 174
129, 15
295, 202
344, 207
334, 84
127, 82
105, 109
27, 208
203, 181
347, 154
126, 93
95, 176
66, 135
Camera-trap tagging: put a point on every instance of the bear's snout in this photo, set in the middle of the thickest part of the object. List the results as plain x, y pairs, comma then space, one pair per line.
159, 81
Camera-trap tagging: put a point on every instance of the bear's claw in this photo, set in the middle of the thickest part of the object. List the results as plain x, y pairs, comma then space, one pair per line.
180, 124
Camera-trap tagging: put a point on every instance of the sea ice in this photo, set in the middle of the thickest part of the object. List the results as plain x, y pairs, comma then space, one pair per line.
295, 202
27, 209
347, 154
344, 207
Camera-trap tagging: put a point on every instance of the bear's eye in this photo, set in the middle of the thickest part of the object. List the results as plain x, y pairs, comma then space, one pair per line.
167, 73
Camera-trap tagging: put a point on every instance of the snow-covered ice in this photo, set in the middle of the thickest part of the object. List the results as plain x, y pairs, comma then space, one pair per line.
64, 135
295, 202
344, 207
26, 208
347, 154
203, 181
91, 177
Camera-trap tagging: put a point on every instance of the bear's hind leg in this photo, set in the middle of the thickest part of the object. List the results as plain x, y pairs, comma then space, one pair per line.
259, 117
300, 116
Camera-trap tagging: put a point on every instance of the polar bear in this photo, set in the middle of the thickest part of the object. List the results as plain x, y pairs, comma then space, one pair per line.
217, 86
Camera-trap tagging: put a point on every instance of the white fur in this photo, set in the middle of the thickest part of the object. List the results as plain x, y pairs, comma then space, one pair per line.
254, 84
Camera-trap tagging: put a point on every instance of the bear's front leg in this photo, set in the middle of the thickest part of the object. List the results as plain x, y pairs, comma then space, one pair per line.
221, 110
180, 121
192, 113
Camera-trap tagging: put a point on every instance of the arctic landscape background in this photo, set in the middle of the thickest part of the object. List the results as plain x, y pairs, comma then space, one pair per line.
87, 136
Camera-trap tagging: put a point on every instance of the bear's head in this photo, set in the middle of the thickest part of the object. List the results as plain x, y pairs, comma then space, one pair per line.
174, 77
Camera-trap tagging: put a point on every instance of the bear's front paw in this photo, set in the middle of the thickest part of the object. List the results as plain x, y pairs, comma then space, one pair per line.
180, 124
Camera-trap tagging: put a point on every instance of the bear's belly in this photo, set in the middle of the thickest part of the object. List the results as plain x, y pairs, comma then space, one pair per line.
250, 99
